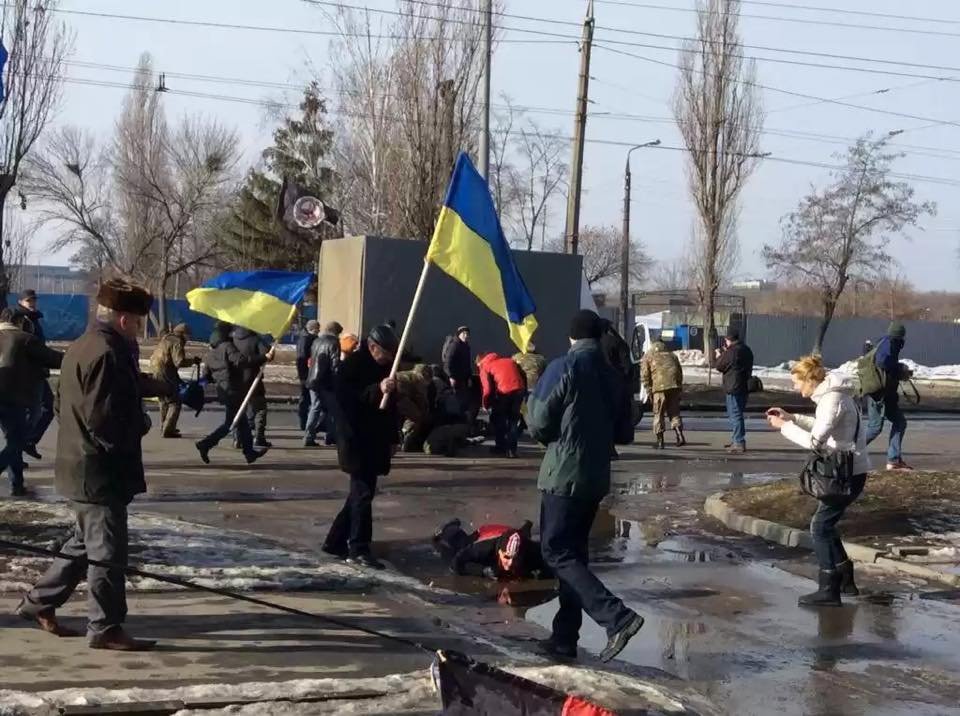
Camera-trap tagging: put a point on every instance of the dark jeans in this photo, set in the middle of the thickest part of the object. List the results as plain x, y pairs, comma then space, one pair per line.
827, 544
352, 529
100, 533
736, 404
505, 419
40, 415
231, 406
257, 416
303, 407
565, 524
13, 424
887, 407
321, 415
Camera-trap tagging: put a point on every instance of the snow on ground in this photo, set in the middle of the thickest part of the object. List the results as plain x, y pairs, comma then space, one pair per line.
396, 693
219, 558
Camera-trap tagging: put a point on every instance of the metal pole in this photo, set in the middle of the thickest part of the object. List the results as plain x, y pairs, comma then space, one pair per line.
625, 254
488, 52
572, 231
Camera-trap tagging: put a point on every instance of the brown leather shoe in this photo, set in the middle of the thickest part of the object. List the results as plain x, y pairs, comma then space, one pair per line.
48, 622
117, 639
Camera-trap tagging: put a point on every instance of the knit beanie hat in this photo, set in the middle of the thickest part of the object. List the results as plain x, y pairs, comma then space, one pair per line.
585, 324
897, 330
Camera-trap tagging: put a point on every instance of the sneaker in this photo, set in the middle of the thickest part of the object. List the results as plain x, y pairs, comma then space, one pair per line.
31, 450
204, 452
311, 443
455, 522
898, 465
619, 640
117, 639
254, 455
262, 444
737, 449
366, 560
559, 652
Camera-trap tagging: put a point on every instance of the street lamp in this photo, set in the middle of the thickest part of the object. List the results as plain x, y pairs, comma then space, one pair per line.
625, 243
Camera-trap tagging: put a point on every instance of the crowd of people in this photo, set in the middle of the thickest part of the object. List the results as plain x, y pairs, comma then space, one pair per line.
579, 406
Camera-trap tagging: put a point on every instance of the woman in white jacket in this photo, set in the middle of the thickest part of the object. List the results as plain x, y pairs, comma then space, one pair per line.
836, 426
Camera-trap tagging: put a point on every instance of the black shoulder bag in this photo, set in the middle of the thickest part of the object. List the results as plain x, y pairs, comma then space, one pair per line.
829, 475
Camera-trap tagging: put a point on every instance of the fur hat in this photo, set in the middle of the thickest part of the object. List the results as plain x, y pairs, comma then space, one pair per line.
124, 297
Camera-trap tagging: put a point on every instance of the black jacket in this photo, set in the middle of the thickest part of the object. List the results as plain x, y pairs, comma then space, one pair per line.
253, 348
24, 362
617, 352
457, 363
365, 434
736, 364
304, 346
325, 362
227, 367
102, 420
480, 559
35, 318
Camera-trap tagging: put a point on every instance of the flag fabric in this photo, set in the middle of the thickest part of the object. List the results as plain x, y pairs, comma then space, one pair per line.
262, 301
3, 63
468, 244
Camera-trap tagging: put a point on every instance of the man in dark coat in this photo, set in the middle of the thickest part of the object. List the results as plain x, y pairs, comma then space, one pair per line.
366, 440
736, 365
324, 366
227, 368
458, 365
884, 404
252, 346
25, 362
99, 467
40, 412
304, 346
579, 409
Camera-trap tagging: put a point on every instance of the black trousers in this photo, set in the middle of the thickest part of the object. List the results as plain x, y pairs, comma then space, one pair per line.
565, 524
231, 406
100, 533
352, 529
505, 419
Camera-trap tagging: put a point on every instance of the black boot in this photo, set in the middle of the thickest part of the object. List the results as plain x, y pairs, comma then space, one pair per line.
681, 439
847, 585
829, 593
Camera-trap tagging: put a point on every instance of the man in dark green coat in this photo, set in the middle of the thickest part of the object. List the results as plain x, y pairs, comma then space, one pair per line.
579, 409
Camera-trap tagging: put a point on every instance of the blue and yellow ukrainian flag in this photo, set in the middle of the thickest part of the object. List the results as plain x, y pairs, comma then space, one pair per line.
263, 301
468, 244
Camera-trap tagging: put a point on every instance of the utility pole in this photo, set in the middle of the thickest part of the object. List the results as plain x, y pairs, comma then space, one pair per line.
625, 244
572, 231
488, 52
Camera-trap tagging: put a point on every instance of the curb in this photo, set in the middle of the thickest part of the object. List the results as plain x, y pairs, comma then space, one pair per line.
793, 537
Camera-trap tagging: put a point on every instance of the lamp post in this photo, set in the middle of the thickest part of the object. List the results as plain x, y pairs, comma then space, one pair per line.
625, 243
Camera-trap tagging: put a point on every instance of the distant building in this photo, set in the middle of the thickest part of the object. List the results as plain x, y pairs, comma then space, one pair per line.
50, 279
754, 284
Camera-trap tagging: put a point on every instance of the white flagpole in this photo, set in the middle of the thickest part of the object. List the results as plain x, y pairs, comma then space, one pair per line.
406, 328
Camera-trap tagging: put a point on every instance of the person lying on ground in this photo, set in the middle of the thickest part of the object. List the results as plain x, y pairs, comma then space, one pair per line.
493, 551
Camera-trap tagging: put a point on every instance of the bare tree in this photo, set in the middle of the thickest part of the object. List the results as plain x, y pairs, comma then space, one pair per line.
718, 112
37, 46
15, 247
601, 250
673, 275
540, 171
841, 233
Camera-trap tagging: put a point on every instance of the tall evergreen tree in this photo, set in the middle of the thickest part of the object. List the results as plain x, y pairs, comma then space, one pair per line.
251, 235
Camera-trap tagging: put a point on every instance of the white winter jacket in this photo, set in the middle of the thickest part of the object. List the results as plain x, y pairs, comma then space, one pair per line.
833, 426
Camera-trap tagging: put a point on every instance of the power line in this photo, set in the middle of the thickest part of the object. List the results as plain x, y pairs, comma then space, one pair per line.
862, 13
802, 95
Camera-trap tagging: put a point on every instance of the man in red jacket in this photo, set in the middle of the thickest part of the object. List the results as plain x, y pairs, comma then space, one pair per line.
504, 388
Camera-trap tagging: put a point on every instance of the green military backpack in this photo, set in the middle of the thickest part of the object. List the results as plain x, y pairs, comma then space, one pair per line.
870, 377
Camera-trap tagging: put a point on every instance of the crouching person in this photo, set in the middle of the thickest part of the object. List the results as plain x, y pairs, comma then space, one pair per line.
99, 467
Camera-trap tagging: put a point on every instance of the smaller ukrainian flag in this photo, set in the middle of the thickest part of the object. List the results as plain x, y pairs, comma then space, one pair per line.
468, 244
263, 301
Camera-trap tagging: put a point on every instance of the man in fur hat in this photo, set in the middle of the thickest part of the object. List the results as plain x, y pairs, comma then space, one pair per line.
99, 467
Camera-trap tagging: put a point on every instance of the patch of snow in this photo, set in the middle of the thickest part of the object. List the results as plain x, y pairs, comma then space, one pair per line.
691, 358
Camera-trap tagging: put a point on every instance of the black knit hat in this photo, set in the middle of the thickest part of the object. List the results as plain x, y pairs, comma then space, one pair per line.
385, 337
585, 324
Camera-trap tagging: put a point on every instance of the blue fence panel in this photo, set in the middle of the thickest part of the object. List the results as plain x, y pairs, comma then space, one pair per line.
64, 316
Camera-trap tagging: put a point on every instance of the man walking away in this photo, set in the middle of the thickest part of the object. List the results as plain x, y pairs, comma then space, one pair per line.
25, 362
504, 390
99, 467
252, 346
168, 357
325, 358
366, 440
736, 365
579, 410
458, 364
226, 368
40, 412
304, 346
879, 374
662, 376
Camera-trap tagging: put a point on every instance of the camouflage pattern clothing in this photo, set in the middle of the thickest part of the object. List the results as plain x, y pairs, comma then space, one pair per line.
662, 375
167, 358
532, 364
413, 405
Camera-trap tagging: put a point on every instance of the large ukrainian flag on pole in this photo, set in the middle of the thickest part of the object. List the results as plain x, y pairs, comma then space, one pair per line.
263, 301
468, 244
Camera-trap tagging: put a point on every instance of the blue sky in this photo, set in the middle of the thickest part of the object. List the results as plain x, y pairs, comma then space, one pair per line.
544, 76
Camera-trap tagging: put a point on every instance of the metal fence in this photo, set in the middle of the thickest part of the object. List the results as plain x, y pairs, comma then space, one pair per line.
776, 339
